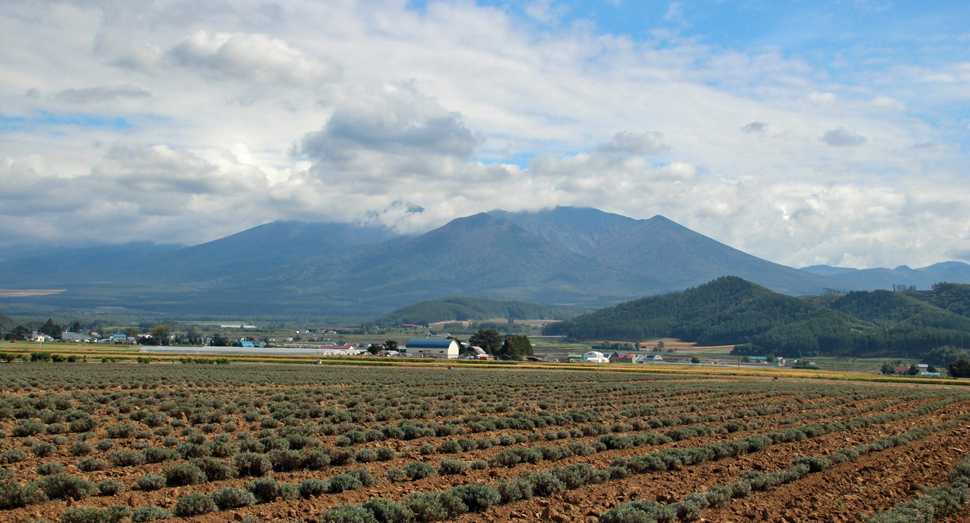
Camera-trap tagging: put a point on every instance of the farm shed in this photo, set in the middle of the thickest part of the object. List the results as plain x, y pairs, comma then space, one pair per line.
623, 358
244, 343
475, 353
593, 356
432, 348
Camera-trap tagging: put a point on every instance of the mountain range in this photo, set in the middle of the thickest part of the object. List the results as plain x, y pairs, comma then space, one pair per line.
562, 256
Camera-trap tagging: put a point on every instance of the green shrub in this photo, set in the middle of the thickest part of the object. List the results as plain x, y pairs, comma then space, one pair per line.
215, 469
545, 483
232, 497
27, 427
146, 513
365, 456
315, 460
159, 454
347, 514
62, 486
477, 497
83, 425
14, 455
640, 512
385, 454
81, 448
343, 482
434, 506
312, 487
251, 464
181, 474
92, 465
267, 490
151, 482
110, 487
814, 464
417, 470
387, 511
43, 449
125, 458
194, 505
46, 469
15, 495
451, 467
396, 474
513, 491
285, 460
115, 514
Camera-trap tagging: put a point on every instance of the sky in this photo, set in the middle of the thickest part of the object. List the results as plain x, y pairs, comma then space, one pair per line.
803, 132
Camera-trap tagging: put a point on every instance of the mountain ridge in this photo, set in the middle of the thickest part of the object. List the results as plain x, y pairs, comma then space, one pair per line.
565, 255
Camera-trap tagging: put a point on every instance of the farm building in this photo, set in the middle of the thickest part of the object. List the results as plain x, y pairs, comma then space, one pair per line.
432, 348
244, 343
474, 353
593, 356
620, 357
652, 358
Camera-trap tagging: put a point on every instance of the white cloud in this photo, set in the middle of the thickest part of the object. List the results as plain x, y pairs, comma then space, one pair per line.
102, 94
818, 97
254, 56
889, 103
842, 137
754, 127
185, 122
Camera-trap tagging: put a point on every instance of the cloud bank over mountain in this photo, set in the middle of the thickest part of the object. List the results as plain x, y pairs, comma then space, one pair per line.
814, 139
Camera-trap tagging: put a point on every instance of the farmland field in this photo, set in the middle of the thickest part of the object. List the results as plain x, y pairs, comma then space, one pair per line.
118, 442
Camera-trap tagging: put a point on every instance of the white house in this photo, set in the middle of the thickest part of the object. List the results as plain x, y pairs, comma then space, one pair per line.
432, 348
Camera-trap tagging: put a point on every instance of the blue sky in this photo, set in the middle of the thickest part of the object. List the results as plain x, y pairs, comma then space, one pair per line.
802, 132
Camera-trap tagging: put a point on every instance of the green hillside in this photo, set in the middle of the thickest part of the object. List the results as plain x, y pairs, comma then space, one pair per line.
461, 308
954, 297
730, 310
6, 322
891, 308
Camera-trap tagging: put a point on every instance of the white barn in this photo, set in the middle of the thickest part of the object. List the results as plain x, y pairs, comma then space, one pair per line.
432, 348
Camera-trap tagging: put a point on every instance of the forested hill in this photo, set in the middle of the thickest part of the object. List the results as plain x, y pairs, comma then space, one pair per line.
732, 311
954, 297
889, 308
461, 308
6, 323
728, 310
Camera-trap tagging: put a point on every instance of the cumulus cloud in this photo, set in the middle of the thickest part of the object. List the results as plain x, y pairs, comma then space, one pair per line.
350, 111
818, 97
755, 127
395, 132
889, 103
635, 143
246, 55
102, 94
842, 137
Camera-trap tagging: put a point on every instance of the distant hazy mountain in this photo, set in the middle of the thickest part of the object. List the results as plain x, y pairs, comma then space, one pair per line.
261, 249
880, 278
579, 229
571, 256
682, 258
479, 254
